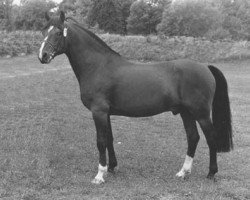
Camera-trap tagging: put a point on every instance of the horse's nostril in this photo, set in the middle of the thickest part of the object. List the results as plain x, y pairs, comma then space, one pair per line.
45, 55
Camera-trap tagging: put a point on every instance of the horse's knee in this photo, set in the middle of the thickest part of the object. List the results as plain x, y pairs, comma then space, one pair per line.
195, 138
101, 143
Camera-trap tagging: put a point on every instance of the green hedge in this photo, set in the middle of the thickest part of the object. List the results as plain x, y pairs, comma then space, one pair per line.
162, 48
19, 42
149, 48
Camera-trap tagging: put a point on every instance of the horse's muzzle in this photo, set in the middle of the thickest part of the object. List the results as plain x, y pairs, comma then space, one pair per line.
46, 58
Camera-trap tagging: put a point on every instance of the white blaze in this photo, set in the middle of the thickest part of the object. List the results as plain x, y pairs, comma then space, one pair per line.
50, 28
43, 44
41, 48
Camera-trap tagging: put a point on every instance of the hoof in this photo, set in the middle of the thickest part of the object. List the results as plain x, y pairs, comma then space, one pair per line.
111, 170
211, 176
97, 181
183, 174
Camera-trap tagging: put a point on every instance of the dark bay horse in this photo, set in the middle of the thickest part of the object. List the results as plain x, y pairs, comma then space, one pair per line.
112, 85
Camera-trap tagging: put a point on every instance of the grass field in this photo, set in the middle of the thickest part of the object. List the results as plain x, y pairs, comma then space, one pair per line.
48, 150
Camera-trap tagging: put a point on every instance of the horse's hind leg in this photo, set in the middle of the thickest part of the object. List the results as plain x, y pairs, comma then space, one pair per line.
192, 139
209, 131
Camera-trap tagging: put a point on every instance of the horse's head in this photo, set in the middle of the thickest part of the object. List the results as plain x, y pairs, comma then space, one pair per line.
54, 42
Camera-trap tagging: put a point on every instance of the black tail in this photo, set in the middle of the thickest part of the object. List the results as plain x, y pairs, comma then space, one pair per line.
221, 112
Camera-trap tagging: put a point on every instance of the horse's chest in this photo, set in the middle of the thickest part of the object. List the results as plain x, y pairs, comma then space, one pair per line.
91, 93
87, 93
86, 101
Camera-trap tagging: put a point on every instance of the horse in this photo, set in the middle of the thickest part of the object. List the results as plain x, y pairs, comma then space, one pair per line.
110, 84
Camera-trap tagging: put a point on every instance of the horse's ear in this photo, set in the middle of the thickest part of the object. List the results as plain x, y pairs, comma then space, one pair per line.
62, 16
47, 17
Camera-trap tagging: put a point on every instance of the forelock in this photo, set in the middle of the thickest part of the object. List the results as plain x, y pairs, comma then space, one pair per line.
55, 22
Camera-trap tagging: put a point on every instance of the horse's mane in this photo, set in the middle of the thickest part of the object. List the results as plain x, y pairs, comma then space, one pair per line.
92, 35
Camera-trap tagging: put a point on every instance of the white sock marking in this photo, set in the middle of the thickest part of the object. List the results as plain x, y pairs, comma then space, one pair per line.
99, 177
186, 168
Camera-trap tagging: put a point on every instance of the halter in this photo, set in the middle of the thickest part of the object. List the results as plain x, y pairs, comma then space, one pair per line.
55, 48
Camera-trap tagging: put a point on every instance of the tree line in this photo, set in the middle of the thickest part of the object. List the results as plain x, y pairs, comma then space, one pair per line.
214, 19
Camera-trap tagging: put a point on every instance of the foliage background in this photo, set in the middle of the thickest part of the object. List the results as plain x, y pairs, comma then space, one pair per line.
143, 48
204, 30
213, 19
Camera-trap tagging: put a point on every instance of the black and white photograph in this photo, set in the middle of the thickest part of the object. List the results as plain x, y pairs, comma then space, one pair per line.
124, 99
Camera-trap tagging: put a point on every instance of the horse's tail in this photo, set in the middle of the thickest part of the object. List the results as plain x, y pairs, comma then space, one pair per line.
221, 113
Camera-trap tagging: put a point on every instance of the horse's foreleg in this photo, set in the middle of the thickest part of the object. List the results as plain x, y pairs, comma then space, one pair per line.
102, 129
192, 139
110, 147
209, 131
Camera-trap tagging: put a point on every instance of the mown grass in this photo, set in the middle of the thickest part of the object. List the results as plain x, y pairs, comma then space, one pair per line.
149, 48
48, 150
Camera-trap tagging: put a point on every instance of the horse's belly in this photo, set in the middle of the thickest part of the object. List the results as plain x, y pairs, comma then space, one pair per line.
141, 104
138, 111
143, 92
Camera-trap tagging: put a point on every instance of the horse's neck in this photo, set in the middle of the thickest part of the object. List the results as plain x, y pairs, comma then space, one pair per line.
84, 58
